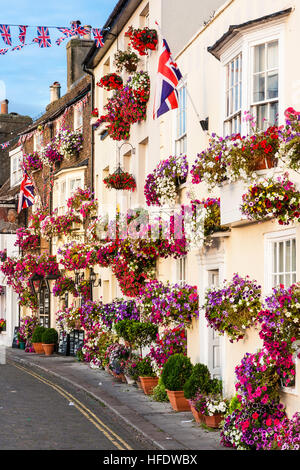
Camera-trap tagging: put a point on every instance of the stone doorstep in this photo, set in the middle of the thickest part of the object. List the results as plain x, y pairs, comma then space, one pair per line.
157, 422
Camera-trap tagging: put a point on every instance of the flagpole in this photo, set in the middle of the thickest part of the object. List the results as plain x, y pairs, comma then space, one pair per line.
182, 80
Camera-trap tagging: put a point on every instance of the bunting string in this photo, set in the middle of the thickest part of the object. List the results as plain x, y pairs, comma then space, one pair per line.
43, 38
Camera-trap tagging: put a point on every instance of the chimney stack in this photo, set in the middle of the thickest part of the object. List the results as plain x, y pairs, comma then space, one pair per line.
77, 50
54, 92
4, 107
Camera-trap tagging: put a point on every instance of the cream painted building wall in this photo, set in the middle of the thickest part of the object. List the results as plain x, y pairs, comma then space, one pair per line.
245, 248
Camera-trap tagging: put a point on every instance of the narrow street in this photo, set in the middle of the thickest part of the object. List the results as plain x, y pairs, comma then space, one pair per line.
38, 412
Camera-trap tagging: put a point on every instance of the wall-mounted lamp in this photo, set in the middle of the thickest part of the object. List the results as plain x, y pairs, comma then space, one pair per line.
204, 124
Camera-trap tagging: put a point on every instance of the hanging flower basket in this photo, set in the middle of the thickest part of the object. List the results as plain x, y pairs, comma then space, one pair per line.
32, 162
142, 40
111, 81
127, 60
120, 180
95, 112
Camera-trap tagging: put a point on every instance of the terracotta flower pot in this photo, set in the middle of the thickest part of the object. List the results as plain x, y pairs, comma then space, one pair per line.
178, 401
148, 384
38, 348
213, 421
48, 348
265, 163
199, 417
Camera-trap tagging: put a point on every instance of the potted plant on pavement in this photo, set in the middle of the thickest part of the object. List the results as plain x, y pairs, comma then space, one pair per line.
37, 339
215, 409
49, 340
176, 371
131, 372
195, 387
147, 376
2, 324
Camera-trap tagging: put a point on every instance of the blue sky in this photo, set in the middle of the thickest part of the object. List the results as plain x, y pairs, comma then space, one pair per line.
25, 76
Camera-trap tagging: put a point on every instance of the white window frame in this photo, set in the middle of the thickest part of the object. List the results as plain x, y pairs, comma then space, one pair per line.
181, 270
37, 141
244, 43
270, 238
66, 179
236, 114
16, 157
78, 117
266, 101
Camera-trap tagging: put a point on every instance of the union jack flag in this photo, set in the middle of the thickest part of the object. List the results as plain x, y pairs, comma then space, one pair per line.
5, 33
68, 32
168, 77
78, 29
5, 145
97, 33
22, 33
3, 51
26, 196
18, 47
43, 37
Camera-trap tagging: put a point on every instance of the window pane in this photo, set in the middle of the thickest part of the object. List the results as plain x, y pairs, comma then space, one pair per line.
272, 54
262, 116
259, 58
273, 119
287, 256
294, 254
287, 280
259, 88
236, 70
281, 257
275, 269
272, 85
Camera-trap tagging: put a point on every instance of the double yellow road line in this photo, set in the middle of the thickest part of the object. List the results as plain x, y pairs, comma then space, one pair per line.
116, 440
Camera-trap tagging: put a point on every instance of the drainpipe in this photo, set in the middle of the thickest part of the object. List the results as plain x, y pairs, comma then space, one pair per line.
89, 72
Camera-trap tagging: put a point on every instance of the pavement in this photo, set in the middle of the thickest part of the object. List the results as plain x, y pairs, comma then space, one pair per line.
156, 422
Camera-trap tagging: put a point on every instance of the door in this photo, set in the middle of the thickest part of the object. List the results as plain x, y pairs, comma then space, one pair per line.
44, 305
214, 349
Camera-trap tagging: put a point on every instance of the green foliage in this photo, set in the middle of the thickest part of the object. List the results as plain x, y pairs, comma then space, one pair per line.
198, 381
215, 387
136, 333
37, 334
50, 336
159, 392
176, 371
144, 368
234, 405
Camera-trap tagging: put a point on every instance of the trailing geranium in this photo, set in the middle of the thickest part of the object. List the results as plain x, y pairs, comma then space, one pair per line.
79, 196
75, 256
168, 303
111, 81
143, 39
233, 308
58, 225
235, 158
120, 180
279, 199
63, 285
26, 240
162, 184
